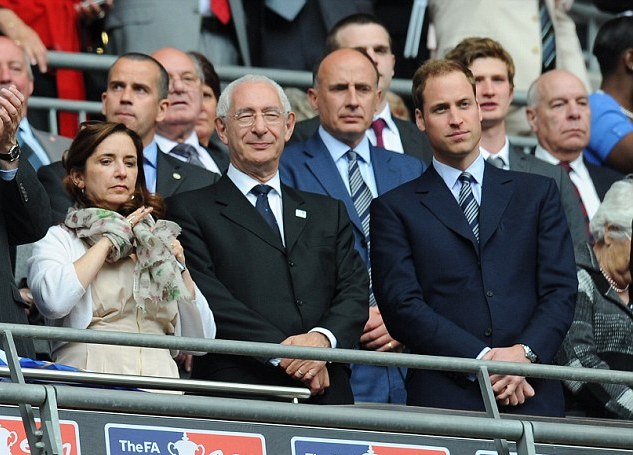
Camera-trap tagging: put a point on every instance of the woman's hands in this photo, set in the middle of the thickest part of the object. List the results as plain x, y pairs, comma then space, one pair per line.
138, 215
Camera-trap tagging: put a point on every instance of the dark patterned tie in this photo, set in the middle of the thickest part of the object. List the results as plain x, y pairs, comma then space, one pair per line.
361, 196
468, 203
496, 161
263, 207
548, 39
188, 152
378, 126
567, 166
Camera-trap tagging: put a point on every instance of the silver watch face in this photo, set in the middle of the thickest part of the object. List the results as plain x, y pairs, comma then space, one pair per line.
12, 154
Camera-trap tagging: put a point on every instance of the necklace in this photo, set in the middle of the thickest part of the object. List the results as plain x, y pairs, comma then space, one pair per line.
612, 282
626, 112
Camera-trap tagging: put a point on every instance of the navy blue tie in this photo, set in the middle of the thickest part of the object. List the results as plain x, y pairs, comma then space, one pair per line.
263, 207
468, 203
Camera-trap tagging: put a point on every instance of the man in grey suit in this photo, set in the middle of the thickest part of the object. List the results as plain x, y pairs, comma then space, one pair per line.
364, 31
136, 96
493, 69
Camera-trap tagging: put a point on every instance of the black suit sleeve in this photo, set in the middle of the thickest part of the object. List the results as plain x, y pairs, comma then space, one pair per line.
25, 206
51, 177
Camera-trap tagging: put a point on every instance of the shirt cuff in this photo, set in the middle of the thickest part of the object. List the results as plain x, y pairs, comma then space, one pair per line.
8, 174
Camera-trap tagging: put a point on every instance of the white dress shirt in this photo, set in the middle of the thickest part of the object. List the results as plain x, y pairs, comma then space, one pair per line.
504, 154
390, 135
580, 178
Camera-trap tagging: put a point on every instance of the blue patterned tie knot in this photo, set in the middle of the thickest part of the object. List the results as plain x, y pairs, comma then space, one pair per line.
263, 207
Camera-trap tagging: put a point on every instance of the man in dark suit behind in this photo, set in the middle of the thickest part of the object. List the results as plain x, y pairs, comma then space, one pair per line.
472, 261
364, 31
136, 96
346, 94
277, 265
559, 114
25, 214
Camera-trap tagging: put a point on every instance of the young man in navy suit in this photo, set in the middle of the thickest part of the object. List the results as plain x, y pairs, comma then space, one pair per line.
346, 93
472, 261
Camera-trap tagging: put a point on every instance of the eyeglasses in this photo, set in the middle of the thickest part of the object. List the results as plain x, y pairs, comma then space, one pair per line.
188, 80
246, 119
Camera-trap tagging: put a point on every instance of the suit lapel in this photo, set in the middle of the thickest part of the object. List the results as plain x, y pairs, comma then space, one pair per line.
322, 166
239, 210
168, 177
435, 196
496, 193
386, 175
518, 161
295, 215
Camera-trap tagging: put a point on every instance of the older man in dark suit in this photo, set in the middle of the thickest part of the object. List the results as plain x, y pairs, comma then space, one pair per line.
277, 265
472, 261
25, 213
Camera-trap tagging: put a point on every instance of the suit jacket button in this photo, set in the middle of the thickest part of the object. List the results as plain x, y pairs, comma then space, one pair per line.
488, 332
490, 294
291, 263
299, 302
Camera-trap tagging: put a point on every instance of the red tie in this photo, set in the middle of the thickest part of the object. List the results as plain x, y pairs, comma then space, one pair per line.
565, 165
378, 125
221, 10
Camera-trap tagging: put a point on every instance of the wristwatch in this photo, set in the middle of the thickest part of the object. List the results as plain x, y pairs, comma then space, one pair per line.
12, 155
529, 354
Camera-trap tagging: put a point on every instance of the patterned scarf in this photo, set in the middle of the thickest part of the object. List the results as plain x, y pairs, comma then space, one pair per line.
157, 277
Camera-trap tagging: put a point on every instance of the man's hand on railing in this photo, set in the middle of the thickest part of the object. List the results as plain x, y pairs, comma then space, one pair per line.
311, 372
509, 390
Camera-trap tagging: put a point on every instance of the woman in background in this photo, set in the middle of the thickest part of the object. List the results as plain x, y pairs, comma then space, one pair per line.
110, 266
601, 335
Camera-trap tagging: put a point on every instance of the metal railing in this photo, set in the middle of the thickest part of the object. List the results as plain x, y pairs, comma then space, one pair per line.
525, 431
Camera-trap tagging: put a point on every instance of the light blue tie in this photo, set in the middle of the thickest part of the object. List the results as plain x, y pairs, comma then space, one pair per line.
468, 203
35, 160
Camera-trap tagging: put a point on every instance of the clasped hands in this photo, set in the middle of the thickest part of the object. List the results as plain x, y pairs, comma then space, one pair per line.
509, 390
312, 373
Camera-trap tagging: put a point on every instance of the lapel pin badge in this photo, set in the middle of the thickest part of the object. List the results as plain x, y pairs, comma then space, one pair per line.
176, 175
300, 213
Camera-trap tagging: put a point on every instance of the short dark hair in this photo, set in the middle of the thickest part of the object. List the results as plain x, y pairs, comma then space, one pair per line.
614, 37
436, 68
471, 49
355, 19
209, 75
163, 79
90, 135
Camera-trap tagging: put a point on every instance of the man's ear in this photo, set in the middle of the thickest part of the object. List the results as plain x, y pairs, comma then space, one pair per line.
220, 127
419, 120
312, 98
531, 118
163, 105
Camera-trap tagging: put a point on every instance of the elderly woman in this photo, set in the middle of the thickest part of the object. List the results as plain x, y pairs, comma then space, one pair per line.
601, 335
110, 266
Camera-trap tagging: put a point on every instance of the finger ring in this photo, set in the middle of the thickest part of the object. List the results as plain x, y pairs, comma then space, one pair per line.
390, 345
300, 372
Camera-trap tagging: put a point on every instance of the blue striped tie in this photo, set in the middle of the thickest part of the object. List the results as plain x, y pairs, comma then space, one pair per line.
361, 196
468, 203
548, 40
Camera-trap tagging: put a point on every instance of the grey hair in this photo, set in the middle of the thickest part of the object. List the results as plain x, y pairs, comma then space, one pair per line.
224, 103
615, 211
533, 94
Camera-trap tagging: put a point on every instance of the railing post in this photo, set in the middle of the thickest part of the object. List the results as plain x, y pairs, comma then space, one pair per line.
525, 445
491, 405
48, 412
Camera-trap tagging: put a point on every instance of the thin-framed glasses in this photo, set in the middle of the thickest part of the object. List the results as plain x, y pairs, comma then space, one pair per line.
272, 117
